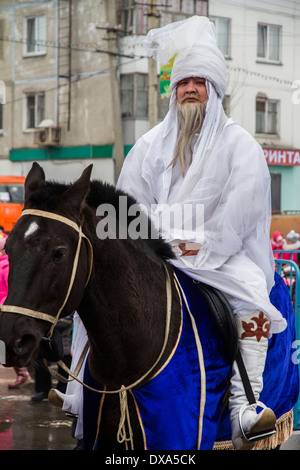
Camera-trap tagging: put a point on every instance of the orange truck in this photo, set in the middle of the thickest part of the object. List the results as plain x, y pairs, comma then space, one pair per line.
11, 200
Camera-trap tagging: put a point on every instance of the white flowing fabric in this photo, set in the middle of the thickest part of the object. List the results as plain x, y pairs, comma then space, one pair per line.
228, 177
182, 39
232, 181
73, 400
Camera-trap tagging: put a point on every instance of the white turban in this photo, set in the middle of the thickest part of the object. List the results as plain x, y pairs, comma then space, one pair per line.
193, 42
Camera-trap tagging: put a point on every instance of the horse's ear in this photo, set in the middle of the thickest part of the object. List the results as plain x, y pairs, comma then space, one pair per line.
34, 179
78, 191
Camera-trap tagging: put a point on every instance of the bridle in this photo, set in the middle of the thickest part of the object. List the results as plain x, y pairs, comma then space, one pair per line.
54, 319
44, 316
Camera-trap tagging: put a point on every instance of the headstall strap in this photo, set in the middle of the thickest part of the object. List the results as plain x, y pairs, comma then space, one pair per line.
45, 316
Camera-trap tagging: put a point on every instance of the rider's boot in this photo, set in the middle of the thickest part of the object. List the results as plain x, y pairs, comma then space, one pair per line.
247, 424
56, 398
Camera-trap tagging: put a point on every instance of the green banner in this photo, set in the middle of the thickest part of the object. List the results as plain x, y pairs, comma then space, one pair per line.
164, 79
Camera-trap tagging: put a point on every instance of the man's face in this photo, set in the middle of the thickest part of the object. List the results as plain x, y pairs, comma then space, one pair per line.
191, 90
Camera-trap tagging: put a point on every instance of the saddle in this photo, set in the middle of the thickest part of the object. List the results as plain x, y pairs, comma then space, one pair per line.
225, 322
223, 317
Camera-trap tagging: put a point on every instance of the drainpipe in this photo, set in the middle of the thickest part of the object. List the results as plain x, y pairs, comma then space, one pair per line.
56, 63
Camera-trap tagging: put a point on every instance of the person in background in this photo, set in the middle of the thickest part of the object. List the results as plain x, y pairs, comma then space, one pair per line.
23, 375
4, 269
277, 241
292, 241
2, 233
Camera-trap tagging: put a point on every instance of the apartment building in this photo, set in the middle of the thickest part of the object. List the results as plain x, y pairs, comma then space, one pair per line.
76, 82
260, 40
56, 69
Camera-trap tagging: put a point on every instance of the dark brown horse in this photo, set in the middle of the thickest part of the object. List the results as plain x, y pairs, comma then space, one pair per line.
119, 285
126, 291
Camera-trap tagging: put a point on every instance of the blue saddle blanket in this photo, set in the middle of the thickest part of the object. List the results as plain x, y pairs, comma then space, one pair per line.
174, 413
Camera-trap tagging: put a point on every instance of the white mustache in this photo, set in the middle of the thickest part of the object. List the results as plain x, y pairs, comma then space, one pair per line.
191, 95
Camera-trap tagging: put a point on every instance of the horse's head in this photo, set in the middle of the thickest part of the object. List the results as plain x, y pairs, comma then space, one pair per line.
41, 253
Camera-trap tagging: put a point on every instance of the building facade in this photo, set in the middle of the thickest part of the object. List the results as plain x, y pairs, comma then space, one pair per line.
260, 41
77, 82
58, 93
263, 70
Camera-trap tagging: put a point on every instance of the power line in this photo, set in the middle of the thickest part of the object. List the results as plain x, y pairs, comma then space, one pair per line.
260, 75
75, 77
85, 47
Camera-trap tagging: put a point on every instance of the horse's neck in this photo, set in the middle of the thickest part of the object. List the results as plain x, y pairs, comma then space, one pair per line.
124, 312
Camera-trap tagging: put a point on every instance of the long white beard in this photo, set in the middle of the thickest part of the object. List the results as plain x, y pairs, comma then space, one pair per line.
191, 117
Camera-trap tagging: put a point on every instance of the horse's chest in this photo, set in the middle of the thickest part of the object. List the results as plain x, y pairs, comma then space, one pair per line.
170, 410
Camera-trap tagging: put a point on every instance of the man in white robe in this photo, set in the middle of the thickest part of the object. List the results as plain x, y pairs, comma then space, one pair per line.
223, 170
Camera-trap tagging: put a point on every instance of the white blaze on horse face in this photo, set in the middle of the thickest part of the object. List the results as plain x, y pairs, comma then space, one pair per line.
33, 227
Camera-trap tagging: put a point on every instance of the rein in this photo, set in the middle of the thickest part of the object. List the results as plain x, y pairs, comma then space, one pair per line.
44, 316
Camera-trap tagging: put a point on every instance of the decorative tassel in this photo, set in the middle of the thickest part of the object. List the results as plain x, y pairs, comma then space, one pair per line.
284, 429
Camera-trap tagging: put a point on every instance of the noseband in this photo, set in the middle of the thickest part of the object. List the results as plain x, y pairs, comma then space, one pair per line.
81, 235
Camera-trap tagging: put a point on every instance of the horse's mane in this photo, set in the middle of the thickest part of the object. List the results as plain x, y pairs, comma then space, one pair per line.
48, 195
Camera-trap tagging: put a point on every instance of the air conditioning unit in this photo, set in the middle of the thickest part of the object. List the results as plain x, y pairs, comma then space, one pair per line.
47, 136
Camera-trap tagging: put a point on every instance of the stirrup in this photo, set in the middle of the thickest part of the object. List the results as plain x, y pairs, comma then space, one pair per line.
260, 432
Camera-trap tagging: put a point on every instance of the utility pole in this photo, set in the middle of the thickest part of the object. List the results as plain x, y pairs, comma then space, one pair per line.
112, 38
152, 73
70, 65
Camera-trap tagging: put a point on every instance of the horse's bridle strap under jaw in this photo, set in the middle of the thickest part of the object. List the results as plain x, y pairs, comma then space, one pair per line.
41, 315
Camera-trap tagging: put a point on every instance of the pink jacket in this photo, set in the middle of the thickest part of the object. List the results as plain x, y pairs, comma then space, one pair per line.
4, 268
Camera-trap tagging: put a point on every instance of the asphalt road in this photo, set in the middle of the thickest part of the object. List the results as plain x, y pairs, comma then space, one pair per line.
29, 425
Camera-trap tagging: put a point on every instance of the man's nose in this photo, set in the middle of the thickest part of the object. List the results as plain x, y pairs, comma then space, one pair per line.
191, 88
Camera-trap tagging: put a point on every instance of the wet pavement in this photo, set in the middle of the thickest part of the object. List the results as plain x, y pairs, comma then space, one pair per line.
29, 425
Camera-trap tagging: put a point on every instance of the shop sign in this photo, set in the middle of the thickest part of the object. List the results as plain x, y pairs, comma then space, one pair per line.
282, 157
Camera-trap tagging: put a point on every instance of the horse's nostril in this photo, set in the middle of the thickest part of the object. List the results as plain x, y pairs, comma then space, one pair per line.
24, 345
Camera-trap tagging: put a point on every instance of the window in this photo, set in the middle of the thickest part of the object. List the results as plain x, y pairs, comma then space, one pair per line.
276, 192
35, 109
134, 95
1, 119
163, 107
222, 26
266, 116
134, 15
226, 105
2, 33
36, 35
268, 42
12, 193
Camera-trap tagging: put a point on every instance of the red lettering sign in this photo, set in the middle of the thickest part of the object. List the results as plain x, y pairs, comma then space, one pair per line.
282, 157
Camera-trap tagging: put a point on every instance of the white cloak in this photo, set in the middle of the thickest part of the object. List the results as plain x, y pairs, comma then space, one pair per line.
230, 177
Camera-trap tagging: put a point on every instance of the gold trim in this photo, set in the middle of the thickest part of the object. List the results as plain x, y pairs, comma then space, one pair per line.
99, 418
140, 419
178, 337
202, 371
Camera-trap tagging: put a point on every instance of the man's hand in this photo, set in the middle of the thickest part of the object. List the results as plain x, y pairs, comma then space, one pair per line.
189, 249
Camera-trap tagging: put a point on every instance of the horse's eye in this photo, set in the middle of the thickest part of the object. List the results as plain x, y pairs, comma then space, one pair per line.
59, 254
